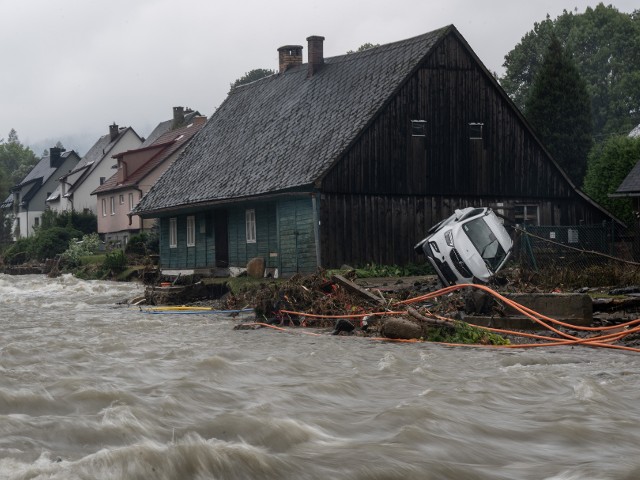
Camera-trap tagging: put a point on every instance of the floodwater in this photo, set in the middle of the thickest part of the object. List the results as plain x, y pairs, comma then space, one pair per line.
95, 390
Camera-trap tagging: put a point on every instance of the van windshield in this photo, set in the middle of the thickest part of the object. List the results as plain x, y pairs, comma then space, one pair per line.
485, 242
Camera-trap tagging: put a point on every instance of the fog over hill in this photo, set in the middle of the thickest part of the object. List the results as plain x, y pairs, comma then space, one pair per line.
81, 142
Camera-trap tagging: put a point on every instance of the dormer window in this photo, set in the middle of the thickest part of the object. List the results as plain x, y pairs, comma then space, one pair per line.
475, 131
418, 128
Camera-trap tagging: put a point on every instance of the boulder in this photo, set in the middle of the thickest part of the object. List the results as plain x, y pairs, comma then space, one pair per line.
255, 267
399, 328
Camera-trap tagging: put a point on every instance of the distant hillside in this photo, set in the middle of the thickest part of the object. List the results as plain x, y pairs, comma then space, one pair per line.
80, 143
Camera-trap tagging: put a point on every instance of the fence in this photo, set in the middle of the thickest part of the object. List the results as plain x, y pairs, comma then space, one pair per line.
577, 248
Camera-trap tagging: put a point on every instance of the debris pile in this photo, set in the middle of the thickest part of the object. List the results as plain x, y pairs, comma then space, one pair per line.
346, 308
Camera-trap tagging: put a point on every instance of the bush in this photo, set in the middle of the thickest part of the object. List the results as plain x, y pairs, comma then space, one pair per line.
78, 249
137, 244
114, 262
86, 221
17, 253
51, 242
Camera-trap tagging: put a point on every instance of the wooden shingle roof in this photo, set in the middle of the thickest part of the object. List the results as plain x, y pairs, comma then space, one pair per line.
285, 131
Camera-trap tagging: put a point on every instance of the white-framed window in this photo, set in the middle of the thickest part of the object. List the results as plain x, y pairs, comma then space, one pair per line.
113, 205
121, 199
104, 207
527, 214
191, 231
250, 222
173, 232
131, 201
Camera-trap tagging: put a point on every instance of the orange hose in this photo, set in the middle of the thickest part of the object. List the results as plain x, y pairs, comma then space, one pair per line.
355, 315
603, 341
570, 339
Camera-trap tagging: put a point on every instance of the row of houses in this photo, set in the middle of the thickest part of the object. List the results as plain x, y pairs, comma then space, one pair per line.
109, 180
340, 160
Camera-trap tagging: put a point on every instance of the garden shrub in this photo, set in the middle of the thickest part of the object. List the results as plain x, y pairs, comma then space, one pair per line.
51, 242
137, 244
17, 253
78, 249
114, 262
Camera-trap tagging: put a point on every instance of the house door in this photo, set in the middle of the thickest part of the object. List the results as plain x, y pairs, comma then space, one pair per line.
221, 229
296, 237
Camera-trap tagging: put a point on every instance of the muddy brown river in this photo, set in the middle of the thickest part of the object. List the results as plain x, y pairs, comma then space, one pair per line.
90, 389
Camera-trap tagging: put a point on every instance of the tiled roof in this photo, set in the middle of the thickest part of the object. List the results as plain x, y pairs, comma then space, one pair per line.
631, 183
43, 169
635, 132
284, 131
165, 127
41, 173
166, 145
100, 150
8, 201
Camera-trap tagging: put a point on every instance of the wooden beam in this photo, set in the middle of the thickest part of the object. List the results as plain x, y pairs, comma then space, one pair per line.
349, 285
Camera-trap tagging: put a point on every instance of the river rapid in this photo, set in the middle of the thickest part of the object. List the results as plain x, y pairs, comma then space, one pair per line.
91, 389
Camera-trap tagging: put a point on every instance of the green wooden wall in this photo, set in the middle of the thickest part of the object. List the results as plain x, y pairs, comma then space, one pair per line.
202, 255
284, 238
240, 252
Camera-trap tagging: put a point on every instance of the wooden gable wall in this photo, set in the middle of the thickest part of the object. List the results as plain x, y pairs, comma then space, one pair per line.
379, 199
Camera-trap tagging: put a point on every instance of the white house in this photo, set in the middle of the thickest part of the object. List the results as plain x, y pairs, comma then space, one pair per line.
73, 192
28, 197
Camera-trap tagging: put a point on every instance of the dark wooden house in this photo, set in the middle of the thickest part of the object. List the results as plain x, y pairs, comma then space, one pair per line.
350, 159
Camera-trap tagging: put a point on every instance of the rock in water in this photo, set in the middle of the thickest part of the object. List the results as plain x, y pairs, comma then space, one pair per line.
399, 328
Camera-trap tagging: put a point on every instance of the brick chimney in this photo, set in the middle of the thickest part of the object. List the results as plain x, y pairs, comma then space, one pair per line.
55, 158
289, 56
114, 131
199, 120
178, 117
316, 55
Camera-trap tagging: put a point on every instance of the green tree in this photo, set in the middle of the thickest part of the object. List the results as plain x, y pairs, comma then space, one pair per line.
364, 46
609, 164
5, 183
605, 45
85, 221
6, 225
252, 76
16, 161
559, 108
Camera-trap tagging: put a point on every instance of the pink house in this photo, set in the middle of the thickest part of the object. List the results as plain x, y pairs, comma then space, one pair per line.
137, 171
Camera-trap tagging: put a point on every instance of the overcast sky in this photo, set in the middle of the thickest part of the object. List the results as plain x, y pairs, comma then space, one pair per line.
70, 68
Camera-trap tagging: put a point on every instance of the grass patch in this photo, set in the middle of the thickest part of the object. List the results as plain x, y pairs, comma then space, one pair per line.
97, 259
464, 333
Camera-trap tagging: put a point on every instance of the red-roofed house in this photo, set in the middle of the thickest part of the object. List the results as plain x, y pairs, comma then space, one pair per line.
137, 171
